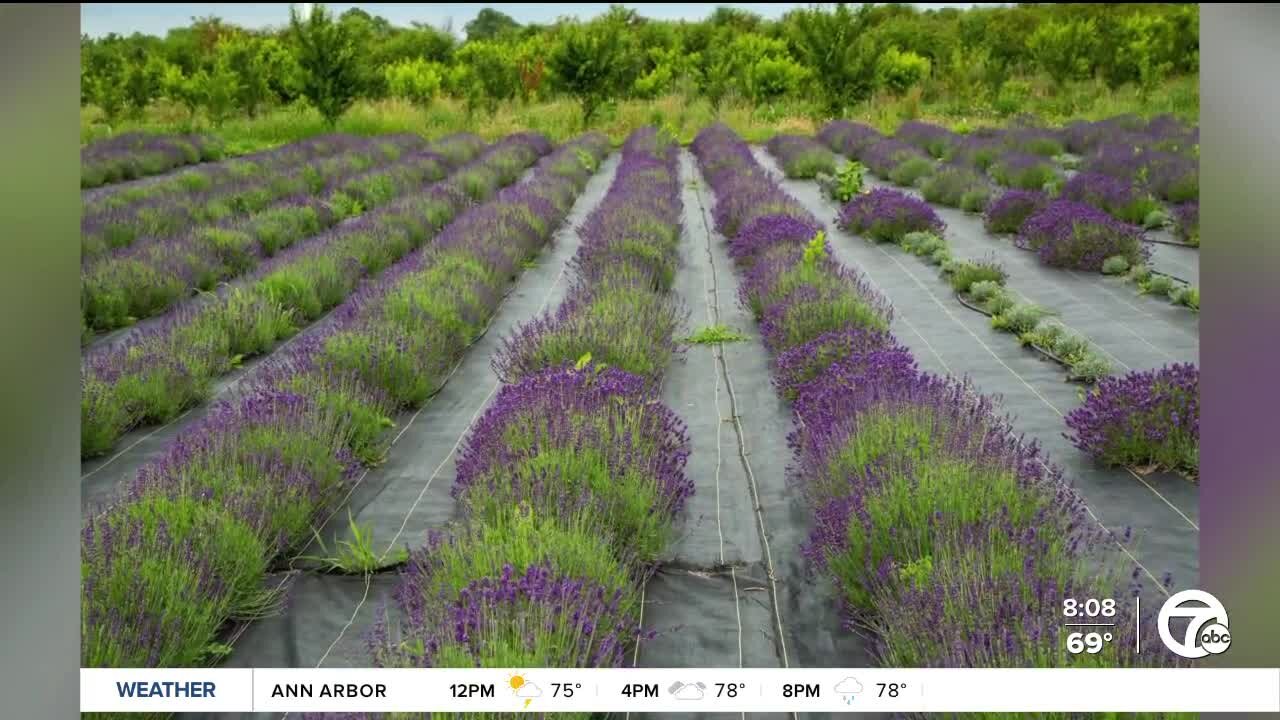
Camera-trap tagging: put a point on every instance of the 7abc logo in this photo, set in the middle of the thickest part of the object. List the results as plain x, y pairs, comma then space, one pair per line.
1206, 632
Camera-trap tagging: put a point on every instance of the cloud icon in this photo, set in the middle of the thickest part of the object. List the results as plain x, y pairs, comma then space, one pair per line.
689, 692
529, 690
849, 686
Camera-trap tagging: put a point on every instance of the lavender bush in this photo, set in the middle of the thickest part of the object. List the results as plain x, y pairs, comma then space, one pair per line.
849, 138
1143, 418
1074, 235
886, 156
888, 215
801, 157
956, 186
1110, 194
1024, 171
1187, 221
134, 155
1007, 213
617, 310
933, 139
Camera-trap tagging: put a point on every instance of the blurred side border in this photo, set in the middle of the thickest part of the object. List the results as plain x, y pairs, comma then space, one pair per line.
1240, 337
39, 360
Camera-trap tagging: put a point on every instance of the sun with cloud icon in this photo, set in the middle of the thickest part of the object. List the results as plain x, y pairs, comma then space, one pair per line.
524, 688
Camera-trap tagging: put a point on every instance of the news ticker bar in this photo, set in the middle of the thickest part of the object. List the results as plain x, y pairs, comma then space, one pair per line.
680, 690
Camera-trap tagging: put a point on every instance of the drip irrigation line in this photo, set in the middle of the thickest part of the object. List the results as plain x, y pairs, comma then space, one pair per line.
1038, 348
1174, 243
780, 643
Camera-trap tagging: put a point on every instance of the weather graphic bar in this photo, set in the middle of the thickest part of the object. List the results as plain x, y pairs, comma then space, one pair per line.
681, 689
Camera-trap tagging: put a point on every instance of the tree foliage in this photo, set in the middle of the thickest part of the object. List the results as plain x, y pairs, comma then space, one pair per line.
584, 63
326, 56
831, 57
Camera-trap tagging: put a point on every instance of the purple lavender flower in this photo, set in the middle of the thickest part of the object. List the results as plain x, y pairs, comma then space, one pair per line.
1078, 236
887, 215
1146, 417
1007, 213
1113, 195
801, 157
933, 139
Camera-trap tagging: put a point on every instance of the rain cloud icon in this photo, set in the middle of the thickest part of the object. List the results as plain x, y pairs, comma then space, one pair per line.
849, 687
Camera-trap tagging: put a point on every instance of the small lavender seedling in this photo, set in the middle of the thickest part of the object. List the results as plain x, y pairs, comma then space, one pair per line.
1138, 273
1044, 335
1070, 346
1090, 367
983, 290
1157, 285
1115, 265
1187, 296
1000, 303
1021, 318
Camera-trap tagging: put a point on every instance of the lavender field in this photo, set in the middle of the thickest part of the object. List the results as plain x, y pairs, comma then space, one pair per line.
397, 402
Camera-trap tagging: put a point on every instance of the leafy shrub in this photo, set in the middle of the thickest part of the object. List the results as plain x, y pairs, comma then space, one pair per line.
1143, 418
1007, 213
848, 181
1012, 97
1078, 236
941, 256
414, 79
888, 215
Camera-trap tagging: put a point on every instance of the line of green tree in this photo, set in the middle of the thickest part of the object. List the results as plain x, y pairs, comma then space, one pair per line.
831, 56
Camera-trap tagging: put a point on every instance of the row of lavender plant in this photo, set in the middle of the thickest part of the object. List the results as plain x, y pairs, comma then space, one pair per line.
570, 482
949, 535
801, 156
187, 548
159, 371
152, 274
212, 175
1126, 175
238, 187
1080, 235
133, 155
